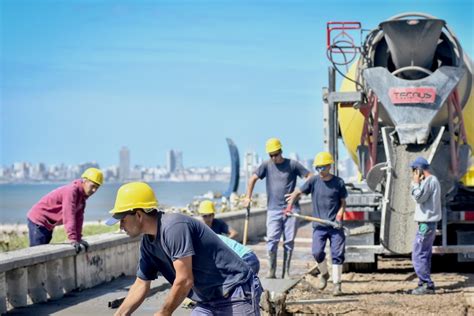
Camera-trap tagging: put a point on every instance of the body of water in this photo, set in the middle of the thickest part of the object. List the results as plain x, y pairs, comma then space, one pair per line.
17, 199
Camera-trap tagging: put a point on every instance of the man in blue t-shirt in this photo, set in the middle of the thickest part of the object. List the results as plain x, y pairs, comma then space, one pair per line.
328, 194
187, 254
281, 175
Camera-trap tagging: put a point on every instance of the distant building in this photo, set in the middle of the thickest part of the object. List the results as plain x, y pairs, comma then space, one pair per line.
84, 166
124, 164
309, 164
251, 162
174, 161
348, 170
38, 172
170, 161
136, 174
294, 156
178, 155
21, 170
111, 173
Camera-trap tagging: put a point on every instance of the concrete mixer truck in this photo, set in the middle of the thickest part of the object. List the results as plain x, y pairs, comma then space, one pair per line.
406, 91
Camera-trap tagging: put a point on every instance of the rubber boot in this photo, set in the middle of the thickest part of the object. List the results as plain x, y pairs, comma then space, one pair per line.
272, 262
336, 279
324, 275
286, 264
423, 289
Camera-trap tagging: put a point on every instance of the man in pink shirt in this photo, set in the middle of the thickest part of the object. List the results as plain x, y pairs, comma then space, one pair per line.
65, 205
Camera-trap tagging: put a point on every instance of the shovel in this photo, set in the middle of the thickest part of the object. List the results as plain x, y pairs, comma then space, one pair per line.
288, 212
246, 225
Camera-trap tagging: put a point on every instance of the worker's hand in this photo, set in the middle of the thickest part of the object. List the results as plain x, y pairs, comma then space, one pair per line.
77, 246
291, 198
339, 218
161, 314
246, 202
84, 244
416, 176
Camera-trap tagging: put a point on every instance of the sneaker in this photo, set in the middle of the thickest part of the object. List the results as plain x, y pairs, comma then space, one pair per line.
423, 289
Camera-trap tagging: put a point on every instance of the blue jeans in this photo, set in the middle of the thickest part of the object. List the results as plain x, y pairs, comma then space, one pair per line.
252, 260
38, 234
337, 240
244, 300
278, 224
422, 251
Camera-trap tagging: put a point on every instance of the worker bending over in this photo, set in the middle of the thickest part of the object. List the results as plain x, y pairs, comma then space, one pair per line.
186, 253
207, 212
65, 205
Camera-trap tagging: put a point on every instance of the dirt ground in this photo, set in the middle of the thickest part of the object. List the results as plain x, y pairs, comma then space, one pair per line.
385, 293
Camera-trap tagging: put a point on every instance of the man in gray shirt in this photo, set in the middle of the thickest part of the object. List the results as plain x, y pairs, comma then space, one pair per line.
281, 175
426, 192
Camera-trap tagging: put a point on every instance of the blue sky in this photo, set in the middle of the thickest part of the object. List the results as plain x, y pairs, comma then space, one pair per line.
81, 79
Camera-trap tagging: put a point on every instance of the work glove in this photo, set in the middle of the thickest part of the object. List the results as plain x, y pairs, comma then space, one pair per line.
288, 210
80, 245
339, 224
77, 246
85, 244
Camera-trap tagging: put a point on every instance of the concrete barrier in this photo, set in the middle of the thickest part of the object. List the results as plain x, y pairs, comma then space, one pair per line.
37, 274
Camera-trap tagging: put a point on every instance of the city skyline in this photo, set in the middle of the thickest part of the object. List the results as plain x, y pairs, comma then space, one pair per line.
81, 79
172, 170
173, 162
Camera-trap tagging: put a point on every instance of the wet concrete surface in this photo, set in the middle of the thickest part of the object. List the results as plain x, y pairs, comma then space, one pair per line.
95, 301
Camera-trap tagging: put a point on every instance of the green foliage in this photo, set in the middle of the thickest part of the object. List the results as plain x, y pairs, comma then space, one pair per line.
19, 240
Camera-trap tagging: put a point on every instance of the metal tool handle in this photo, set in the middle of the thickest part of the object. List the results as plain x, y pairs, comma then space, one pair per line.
321, 221
246, 225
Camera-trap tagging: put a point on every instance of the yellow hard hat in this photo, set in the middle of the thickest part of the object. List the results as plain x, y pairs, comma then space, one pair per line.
94, 175
206, 207
272, 145
134, 195
322, 159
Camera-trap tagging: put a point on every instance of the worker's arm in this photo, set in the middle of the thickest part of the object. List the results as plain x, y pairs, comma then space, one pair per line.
306, 188
250, 187
421, 192
181, 286
303, 172
342, 209
292, 197
70, 210
135, 297
233, 233
342, 195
